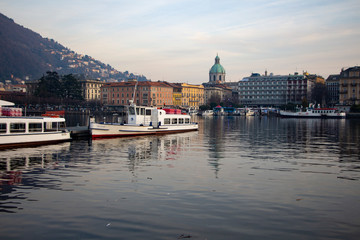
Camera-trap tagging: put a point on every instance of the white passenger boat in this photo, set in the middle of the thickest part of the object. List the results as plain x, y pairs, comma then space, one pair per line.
144, 121
311, 112
19, 131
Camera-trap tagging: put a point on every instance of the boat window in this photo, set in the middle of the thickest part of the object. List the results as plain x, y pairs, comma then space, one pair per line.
2, 128
62, 125
17, 127
174, 121
131, 110
181, 121
142, 112
187, 120
50, 126
148, 112
167, 121
35, 127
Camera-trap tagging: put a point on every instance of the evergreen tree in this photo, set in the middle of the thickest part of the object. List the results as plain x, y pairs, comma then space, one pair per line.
49, 85
71, 87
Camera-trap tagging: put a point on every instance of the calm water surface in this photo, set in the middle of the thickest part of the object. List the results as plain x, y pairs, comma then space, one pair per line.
236, 178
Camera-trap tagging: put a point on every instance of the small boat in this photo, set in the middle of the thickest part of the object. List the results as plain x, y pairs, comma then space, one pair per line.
249, 112
207, 113
219, 111
20, 131
311, 112
143, 120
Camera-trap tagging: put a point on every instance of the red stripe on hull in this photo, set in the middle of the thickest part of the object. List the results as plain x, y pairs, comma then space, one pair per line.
141, 134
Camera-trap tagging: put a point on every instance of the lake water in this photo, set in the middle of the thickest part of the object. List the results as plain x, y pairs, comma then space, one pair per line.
236, 178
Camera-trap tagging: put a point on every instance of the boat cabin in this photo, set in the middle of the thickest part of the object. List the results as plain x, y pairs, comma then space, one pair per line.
19, 125
148, 116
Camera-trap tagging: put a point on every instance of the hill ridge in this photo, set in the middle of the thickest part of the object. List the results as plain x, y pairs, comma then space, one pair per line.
26, 55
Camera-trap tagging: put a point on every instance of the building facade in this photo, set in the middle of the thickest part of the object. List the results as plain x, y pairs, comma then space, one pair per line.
157, 94
274, 90
263, 90
91, 89
332, 89
192, 96
217, 93
349, 88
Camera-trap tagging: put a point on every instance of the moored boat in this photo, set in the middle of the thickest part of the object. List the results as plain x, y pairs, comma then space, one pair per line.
143, 120
21, 131
207, 113
311, 112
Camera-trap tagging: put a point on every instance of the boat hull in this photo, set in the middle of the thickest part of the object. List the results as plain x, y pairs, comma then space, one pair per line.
285, 114
36, 139
99, 130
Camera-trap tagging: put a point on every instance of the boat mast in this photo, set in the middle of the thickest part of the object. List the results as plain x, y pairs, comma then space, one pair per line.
132, 100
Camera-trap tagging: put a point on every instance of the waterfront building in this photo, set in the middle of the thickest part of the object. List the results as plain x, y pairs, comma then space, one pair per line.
177, 95
332, 89
192, 96
217, 93
91, 89
274, 90
349, 88
265, 90
157, 94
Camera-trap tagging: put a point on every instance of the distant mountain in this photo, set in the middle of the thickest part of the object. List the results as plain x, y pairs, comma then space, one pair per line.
25, 54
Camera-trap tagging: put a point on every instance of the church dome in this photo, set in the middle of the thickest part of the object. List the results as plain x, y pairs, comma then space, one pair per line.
217, 68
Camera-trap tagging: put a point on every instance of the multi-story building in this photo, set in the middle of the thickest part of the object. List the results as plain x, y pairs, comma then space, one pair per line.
217, 93
177, 95
299, 88
273, 90
192, 95
349, 88
147, 93
263, 90
332, 89
91, 89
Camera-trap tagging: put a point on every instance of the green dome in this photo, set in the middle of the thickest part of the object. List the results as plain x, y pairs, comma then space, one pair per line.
217, 68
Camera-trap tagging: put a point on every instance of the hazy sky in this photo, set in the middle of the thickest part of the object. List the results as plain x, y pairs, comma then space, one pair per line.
177, 40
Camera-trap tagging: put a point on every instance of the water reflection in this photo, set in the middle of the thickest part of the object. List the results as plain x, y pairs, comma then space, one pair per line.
141, 150
17, 167
292, 143
236, 178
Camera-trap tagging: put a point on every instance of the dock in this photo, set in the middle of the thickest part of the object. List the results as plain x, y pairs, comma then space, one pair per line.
78, 132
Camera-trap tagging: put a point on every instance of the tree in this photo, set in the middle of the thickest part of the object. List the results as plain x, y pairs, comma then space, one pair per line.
53, 86
49, 86
70, 88
318, 93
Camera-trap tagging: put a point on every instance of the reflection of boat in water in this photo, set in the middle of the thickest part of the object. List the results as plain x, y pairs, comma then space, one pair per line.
312, 112
19, 131
145, 121
28, 158
149, 148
